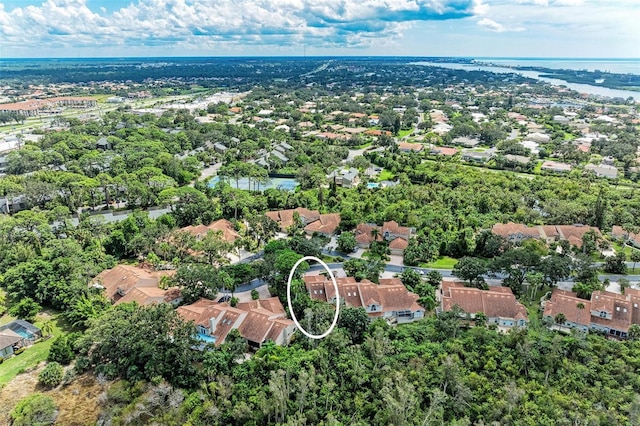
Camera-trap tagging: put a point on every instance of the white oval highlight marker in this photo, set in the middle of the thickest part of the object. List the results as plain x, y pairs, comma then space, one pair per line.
293, 315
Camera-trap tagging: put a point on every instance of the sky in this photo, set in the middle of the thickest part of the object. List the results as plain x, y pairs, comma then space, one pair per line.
474, 28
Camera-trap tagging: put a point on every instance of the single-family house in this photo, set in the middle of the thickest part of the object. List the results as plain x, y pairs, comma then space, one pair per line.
9, 342
220, 148
257, 321
103, 143
312, 220
127, 283
466, 141
17, 334
630, 238
444, 151
511, 159
347, 178
603, 170
389, 300
410, 147
477, 156
226, 229
398, 236
498, 304
538, 137
555, 167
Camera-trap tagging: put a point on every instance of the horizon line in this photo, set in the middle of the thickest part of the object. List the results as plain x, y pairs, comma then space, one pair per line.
327, 56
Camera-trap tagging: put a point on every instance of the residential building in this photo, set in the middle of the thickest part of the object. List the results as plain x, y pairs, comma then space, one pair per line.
398, 236
466, 142
498, 304
17, 334
517, 232
630, 238
603, 170
441, 150
227, 231
389, 300
312, 220
347, 178
606, 312
477, 156
127, 283
257, 321
410, 147
555, 167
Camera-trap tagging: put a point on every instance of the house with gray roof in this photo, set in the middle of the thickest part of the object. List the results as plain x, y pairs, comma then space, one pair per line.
603, 170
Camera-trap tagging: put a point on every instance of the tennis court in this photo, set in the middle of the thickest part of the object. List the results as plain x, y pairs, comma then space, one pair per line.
286, 184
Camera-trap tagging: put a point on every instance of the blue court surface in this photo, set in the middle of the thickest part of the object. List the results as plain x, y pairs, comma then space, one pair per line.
286, 184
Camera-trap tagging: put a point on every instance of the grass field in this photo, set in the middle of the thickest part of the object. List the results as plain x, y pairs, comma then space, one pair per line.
443, 262
34, 354
403, 133
386, 175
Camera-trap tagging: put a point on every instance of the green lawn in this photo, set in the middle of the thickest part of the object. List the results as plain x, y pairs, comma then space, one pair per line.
403, 133
443, 262
386, 175
33, 355
363, 146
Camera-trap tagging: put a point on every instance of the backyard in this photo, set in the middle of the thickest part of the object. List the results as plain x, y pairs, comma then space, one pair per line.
34, 354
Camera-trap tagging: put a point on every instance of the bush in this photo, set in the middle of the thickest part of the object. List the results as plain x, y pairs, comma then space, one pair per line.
61, 351
34, 410
19, 351
26, 309
254, 294
51, 376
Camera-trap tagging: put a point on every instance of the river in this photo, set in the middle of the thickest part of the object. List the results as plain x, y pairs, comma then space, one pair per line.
582, 88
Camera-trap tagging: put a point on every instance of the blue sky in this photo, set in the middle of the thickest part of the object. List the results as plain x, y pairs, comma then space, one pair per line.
489, 28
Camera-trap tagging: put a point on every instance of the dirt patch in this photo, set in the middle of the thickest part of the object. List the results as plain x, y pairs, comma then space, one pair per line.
77, 402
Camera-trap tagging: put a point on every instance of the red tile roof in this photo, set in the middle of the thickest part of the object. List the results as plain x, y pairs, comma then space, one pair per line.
493, 303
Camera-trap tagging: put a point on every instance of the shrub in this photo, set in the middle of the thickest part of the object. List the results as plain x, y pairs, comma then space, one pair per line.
52, 375
35, 410
61, 351
19, 351
254, 294
26, 309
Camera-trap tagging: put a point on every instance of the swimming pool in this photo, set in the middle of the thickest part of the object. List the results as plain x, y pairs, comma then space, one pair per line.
373, 185
286, 184
25, 333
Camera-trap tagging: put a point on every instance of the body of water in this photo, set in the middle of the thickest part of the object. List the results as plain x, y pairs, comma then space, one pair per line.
618, 66
581, 88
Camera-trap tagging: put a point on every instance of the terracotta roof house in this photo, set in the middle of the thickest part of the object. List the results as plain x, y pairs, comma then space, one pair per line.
410, 147
441, 150
127, 283
620, 234
398, 236
312, 220
498, 304
606, 312
389, 300
228, 231
257, 321
517, 232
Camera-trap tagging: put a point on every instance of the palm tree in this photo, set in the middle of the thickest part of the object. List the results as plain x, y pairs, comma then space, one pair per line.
47, 328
